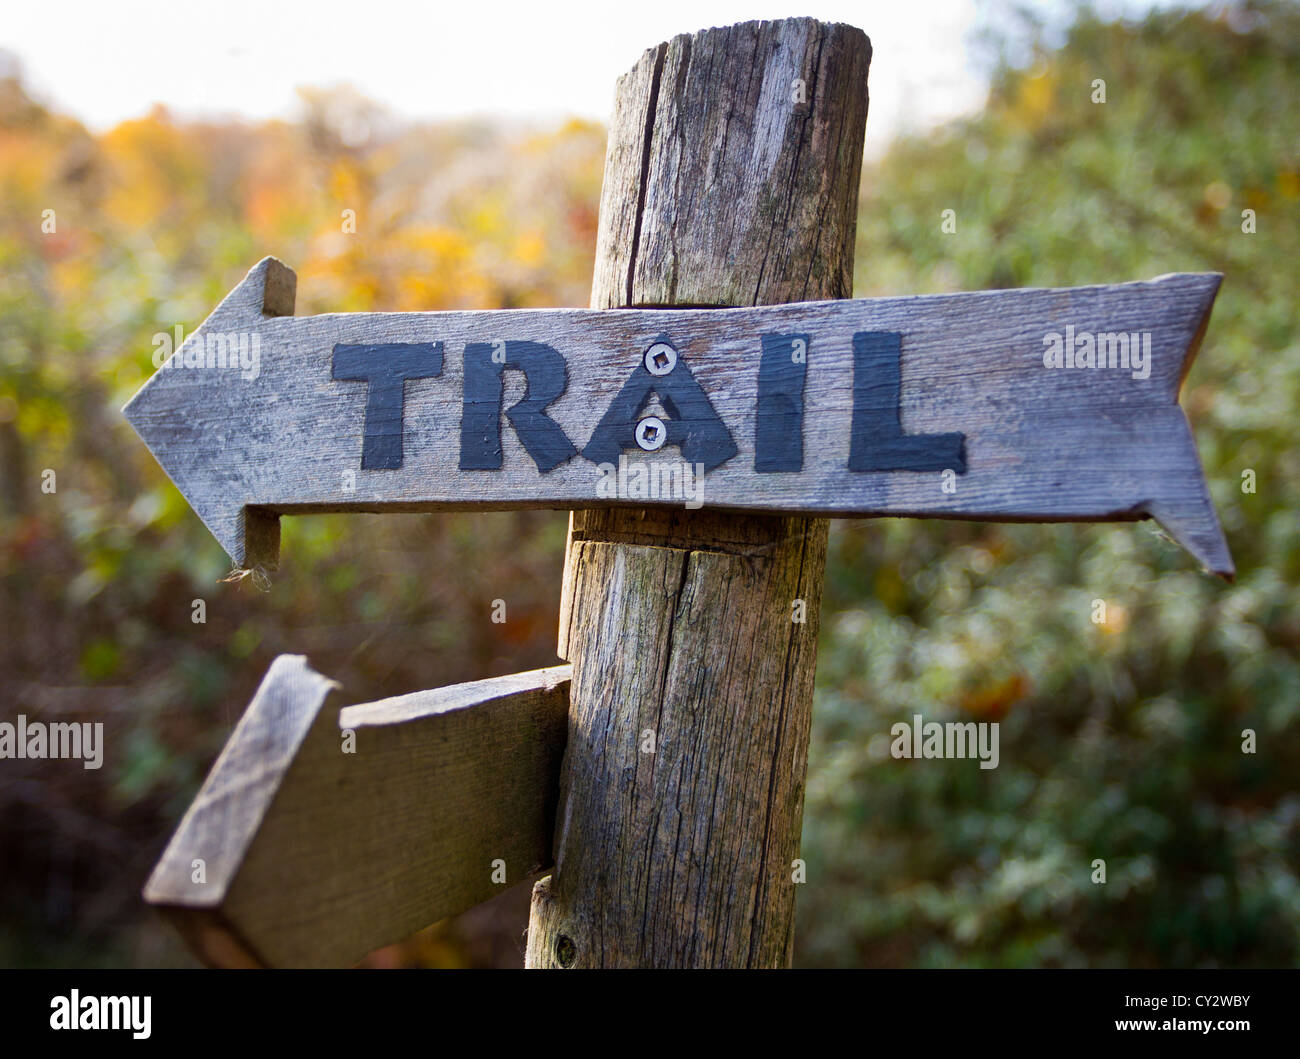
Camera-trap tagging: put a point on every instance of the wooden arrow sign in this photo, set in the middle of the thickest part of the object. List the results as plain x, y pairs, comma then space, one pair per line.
1018, 405
307, 846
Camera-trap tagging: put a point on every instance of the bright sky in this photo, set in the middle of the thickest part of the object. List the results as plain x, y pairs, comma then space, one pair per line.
107, 60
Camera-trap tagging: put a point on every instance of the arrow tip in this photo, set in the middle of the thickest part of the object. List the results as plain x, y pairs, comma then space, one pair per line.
162, 414
279, 286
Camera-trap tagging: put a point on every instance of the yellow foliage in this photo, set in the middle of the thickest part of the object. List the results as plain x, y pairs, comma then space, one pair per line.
1036, 98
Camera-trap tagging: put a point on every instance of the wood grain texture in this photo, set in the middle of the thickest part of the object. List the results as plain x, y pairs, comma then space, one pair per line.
679, 623
1040, 444
683, 857
758, 179
315, 857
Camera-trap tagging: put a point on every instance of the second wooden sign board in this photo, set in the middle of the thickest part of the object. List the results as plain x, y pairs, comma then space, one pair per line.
1019, 405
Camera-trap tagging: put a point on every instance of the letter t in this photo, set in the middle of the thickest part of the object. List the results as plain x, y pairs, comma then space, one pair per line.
386, 367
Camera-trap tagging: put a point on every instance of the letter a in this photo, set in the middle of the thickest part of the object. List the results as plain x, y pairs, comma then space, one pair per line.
694, 426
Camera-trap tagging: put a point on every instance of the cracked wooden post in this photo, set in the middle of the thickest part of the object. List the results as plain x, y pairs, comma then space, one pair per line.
731, 178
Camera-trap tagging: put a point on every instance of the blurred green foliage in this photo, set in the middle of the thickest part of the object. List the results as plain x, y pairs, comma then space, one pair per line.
1120, 741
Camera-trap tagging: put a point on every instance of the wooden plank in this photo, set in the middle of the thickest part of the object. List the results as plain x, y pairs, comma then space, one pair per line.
315, 856
833, 408
679, 623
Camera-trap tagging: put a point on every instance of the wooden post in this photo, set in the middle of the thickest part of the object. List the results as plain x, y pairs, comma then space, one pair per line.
731, 178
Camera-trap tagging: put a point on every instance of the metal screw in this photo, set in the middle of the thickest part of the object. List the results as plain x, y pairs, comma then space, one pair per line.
660, 359
651, 433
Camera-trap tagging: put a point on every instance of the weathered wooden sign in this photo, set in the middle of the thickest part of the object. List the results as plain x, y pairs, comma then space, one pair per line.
1017, 405
321, 834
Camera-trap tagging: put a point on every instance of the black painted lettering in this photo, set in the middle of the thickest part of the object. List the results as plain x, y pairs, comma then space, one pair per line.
878, 442
778, 421
545, 379
385, 367
693, 425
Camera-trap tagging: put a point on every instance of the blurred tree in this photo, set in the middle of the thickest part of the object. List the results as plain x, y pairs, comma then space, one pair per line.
1120, 741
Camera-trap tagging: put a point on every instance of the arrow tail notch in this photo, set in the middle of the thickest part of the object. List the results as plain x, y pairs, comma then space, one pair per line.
1183, 506
1181, 501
